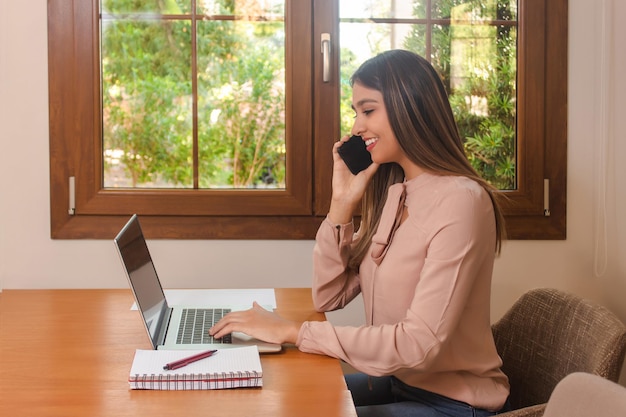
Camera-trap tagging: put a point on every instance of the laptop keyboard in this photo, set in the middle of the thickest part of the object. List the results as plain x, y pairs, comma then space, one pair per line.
195, 324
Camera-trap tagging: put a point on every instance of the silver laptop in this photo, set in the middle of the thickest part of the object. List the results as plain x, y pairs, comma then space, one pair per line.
177, 327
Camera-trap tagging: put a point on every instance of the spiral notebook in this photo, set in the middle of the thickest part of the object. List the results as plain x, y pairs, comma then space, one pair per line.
228, 368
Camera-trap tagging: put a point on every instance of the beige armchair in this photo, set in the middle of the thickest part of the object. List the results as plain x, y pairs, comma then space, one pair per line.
584, 395
547, 335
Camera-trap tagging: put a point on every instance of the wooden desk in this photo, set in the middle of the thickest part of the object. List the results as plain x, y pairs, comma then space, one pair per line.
68, 353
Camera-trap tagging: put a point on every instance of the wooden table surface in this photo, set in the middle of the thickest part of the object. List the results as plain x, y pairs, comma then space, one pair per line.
68, 353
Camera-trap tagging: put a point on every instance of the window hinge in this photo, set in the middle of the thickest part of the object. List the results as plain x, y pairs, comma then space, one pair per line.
546, 197
72, 209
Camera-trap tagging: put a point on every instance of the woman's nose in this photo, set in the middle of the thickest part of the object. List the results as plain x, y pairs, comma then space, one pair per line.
357, 129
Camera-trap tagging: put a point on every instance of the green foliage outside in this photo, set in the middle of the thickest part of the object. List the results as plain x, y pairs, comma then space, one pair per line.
477, 63
148, 104
147, 91
241, 106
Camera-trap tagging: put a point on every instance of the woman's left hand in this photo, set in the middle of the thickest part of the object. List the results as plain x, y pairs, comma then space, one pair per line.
259, 323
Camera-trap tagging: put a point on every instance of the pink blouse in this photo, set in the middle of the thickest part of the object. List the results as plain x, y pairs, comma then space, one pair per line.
426, 289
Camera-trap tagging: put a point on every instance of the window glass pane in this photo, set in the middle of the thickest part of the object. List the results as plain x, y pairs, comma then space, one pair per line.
472, 43
248, 8
241, 104
193, 101
158, 7
381, 9
477, 10
147, 103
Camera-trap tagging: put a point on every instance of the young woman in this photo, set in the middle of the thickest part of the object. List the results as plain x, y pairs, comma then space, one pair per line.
422, 257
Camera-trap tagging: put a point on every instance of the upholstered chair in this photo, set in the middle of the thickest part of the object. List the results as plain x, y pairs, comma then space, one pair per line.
548, 334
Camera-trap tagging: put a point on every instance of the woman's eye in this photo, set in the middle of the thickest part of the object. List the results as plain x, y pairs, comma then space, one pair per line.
365, 112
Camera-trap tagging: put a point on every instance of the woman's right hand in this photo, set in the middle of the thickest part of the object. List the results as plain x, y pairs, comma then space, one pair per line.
348, 189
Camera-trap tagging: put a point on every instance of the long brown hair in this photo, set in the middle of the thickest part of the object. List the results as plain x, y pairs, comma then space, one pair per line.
421, 118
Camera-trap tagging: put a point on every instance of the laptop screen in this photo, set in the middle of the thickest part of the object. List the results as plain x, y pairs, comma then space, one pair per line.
142, 276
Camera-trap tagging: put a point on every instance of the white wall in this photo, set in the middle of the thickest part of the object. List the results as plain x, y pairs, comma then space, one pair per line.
597, 104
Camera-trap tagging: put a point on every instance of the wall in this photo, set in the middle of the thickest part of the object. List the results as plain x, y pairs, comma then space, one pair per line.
590, 262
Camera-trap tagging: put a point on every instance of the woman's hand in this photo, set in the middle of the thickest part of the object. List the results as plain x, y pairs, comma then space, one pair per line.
348, 189
258, 323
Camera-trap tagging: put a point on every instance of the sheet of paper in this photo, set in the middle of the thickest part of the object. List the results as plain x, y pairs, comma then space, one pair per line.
219, 297
225, 360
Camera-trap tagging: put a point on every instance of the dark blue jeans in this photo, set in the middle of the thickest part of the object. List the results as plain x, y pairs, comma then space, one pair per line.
390, 397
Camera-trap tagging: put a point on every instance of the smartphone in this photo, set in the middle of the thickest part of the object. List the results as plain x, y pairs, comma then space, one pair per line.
354, 154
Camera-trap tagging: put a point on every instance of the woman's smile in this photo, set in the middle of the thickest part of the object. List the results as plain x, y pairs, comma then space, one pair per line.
370, 143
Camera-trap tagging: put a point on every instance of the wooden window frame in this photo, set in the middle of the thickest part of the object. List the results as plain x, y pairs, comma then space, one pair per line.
296, 212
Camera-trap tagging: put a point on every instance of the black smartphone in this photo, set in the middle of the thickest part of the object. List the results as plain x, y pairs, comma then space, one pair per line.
354, 154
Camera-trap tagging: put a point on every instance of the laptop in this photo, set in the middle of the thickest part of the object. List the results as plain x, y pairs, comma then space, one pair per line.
176, 327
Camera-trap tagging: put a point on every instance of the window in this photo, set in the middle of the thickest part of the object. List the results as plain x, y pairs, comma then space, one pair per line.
84, 205
473, 46
193, 100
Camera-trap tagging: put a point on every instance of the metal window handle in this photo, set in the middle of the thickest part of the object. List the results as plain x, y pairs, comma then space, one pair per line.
326, 57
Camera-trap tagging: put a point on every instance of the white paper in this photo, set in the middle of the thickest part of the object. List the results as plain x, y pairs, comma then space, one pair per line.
224, 360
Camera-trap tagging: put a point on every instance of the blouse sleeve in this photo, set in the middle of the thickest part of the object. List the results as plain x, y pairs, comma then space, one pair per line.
333, 285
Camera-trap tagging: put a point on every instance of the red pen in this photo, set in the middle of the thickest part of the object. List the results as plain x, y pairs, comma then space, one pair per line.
186, 361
